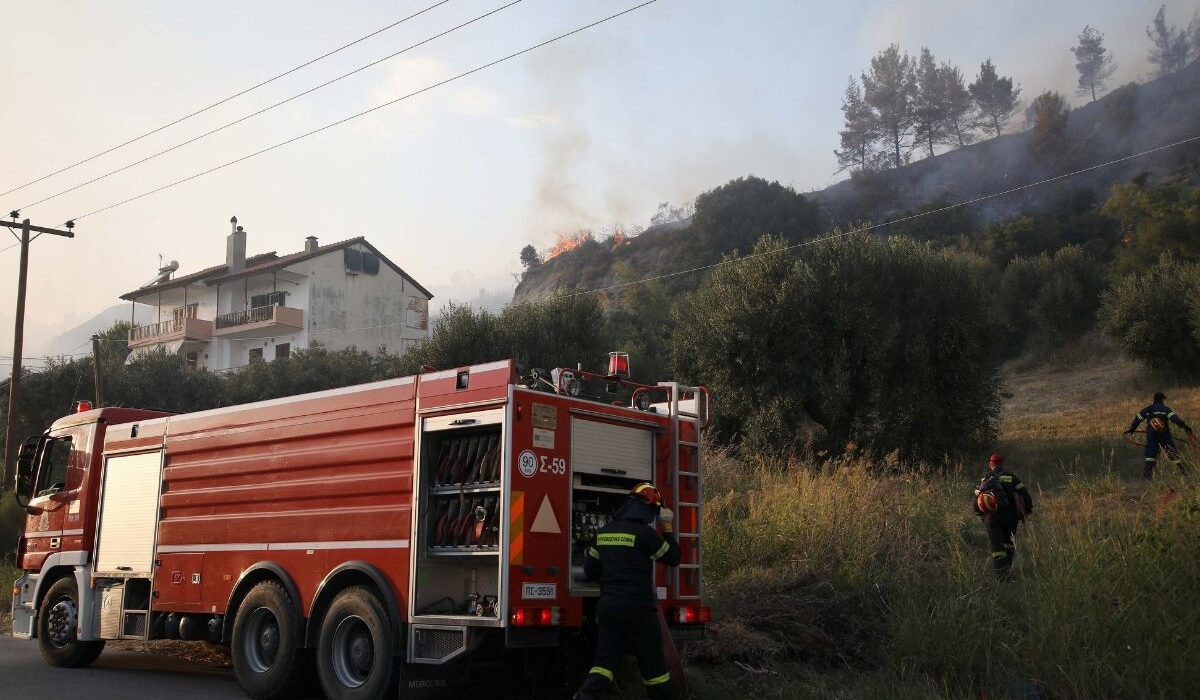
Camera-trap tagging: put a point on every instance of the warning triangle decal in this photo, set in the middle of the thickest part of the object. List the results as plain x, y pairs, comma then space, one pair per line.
545, 521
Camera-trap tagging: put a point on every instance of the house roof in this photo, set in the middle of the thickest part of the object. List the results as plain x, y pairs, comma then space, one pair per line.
266, 262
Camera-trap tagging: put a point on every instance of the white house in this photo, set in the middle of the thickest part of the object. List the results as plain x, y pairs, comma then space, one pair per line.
266, 306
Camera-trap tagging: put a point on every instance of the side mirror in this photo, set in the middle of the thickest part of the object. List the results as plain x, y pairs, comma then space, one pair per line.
26, 460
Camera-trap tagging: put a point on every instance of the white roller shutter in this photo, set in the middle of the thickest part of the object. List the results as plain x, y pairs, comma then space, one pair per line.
613, 450
129, 513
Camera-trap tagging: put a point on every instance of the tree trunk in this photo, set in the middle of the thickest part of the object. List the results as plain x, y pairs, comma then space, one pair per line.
896, 144
996, 122
931, 144
1093, 91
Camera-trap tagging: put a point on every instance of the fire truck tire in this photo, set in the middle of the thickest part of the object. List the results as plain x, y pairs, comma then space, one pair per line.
355, 651
56, 625
266, 647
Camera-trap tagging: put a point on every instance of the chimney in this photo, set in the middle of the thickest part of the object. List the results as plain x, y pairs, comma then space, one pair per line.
310, 244
235, 248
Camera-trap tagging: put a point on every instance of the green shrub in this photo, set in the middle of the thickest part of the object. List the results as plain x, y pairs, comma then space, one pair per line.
1152, 316
883, 343
1049, 302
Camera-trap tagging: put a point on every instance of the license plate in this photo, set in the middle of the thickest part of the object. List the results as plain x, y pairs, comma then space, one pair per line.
539, 591
689, 633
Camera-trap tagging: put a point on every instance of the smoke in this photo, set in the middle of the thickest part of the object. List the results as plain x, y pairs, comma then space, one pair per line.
564, 139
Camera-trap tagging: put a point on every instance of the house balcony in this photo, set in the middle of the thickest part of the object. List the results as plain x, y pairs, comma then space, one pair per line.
260, 322
179, 329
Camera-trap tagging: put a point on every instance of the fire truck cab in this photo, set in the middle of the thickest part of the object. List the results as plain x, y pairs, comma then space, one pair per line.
425, 528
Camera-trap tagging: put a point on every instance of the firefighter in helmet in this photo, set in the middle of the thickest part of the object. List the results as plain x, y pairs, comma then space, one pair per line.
622, 560
1158, 417
1003, 501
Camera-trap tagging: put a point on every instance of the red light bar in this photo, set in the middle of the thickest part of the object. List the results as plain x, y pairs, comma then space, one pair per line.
81, 406
618, 364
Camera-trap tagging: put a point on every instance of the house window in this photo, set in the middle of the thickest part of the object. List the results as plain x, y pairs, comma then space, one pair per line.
283, 350
259, 301
370, 263
255, 354
193, 359
417, 313
354, 262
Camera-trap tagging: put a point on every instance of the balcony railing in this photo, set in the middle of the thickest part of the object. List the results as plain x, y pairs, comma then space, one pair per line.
175, 329
240, 323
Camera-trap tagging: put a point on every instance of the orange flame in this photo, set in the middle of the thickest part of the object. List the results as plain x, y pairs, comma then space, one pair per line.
567, 242
619, 239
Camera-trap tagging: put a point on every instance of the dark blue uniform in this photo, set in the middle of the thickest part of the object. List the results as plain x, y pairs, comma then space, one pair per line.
1158, 417
623, 561
1014, 502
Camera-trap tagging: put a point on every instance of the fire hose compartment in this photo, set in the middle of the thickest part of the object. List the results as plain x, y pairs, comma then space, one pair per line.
458, 528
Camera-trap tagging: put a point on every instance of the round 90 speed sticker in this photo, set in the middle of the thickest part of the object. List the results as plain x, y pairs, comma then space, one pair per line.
527, 463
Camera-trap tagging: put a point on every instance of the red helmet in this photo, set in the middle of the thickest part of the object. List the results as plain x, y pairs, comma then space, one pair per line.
986, 503
996, 459
646, 493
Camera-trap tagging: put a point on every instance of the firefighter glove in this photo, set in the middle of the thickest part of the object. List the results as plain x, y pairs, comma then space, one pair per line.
666, 516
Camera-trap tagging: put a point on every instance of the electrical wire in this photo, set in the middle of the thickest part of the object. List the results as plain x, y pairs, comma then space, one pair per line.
268, 108
376, 108
223, 101
813, 241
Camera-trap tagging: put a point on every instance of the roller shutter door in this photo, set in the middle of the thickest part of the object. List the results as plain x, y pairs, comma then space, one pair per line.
613, 450
129, 513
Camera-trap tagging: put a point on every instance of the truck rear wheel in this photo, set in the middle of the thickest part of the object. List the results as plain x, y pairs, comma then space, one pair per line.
266, 644
355, 653
58, 618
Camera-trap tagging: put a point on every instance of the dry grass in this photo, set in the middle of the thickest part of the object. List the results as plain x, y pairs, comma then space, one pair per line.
846, 580
1091, 398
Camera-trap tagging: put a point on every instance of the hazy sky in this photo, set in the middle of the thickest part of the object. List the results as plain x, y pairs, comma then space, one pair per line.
592, 131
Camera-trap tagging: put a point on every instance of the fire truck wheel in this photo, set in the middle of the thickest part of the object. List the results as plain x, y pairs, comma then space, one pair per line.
355, 654
56, 624
266, 644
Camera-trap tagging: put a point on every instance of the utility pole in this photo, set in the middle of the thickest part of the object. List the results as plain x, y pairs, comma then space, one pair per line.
96, 371
14, 385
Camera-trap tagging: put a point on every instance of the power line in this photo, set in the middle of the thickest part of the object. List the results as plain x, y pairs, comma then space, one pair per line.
223, 101
272, 106
371, 110
892, 222
813, 241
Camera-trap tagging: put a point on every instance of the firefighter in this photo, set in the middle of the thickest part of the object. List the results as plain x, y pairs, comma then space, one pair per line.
622, 560
1003, 501
1159, 417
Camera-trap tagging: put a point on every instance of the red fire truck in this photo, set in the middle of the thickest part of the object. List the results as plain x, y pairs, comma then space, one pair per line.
415, 529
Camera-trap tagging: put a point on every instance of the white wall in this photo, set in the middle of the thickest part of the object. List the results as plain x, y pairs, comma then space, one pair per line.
365, 311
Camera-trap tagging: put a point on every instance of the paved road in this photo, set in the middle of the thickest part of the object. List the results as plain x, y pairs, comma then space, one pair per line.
118, 675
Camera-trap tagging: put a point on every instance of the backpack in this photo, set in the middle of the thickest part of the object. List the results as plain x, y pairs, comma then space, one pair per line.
991, 484
1158, 425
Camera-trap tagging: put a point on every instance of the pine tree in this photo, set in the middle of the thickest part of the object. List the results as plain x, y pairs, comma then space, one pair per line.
1168, 45
995, 97
1193, 31
889, 90
1093, 61
958, 105
929, 103
859, 135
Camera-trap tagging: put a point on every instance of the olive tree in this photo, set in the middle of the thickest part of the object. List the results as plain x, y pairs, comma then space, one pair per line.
887, 344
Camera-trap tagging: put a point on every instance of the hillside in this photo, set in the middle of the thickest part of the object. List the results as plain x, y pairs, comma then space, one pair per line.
1129, 120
